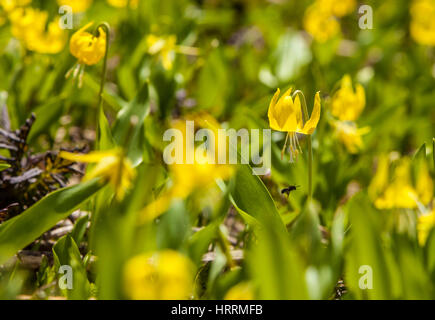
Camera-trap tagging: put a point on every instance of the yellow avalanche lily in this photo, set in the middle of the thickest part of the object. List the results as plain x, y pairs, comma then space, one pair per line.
399, 192
348, 104
29, 26
123, 3
9, 5
425, 223
77, 6
164, 275
285, 114
111, 166
350, 135
422, 26
86, 47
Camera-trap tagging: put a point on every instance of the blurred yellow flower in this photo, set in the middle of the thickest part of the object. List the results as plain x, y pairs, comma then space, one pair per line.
123, 3
241, 291
29, 26
399, 192
286, 115
88, 48
189, 177
164, 47
112, 166
338, 8
347, 103
422, 26
425, 224
320, 23
164, 275
76, 5
424, 183
350, 135
9, 5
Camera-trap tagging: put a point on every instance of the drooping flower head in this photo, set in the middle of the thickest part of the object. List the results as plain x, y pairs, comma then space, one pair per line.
350, 135
189, 176
112, 166
164, 47
319, 23
285, 114
89, 49
396, 190
164, 275
347, 103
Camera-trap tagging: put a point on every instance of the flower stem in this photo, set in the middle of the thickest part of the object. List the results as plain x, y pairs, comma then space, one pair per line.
105, 26
309, 142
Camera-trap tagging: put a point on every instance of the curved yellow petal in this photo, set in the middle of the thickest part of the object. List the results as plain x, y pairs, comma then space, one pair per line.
91, 157
294, 121
311, 124
271, 112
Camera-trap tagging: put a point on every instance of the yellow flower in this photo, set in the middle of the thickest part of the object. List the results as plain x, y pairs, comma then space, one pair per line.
425, 223
86, 47
164, 275
123, 3
348, 104
350, 135
164, 47
111, 166
241, 291
424, 183
76, 5
29, 26
422, 26
188, 178
320, 23
338, 8
399, 191
285, 114
9, 5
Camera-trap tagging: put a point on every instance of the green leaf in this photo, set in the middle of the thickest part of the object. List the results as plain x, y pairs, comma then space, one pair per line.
105, 134
366, 256
4, 166
126, 132
23, 229
276, 267
421, 152
79, 229
200, 241
251, 197
66, 253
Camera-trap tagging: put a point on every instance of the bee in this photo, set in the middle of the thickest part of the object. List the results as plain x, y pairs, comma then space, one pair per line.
289, 189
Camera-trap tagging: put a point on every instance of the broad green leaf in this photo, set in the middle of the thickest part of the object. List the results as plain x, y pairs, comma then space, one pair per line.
79, 229
66, 253
128, 130
366, 259
251, 197
200, 241
23, 229
105, 134
276, 267
4, 166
